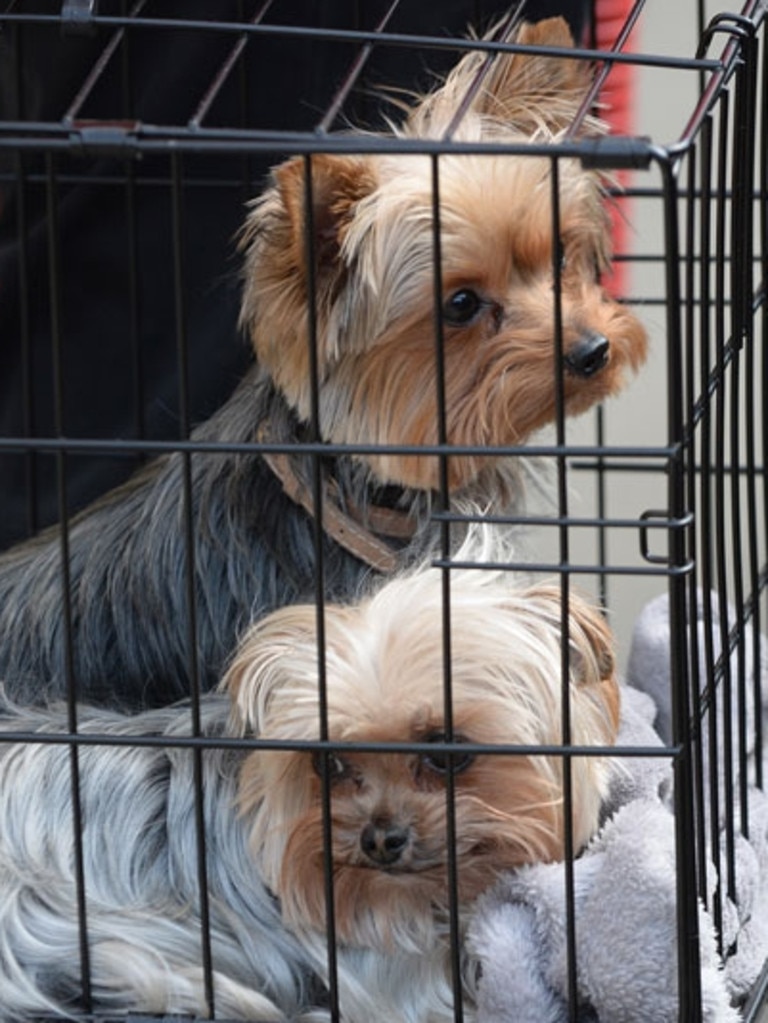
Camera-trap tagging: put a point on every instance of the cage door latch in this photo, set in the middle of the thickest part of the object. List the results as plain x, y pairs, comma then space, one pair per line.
657, 520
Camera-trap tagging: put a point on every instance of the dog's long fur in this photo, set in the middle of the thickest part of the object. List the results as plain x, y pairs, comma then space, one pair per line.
254, 546
263, 816
254, 551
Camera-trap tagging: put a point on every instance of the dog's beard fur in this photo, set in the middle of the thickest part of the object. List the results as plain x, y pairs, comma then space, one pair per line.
263, 816
254, 546
406, 907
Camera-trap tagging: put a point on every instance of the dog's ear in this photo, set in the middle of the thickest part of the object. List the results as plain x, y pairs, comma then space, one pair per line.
591, 644
524, 91
267, 661
304, 216
273, 679
589, 631
320, 208
532, 88
594, 654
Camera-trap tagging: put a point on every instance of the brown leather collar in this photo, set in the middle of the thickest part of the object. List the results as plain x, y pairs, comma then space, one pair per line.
356, 531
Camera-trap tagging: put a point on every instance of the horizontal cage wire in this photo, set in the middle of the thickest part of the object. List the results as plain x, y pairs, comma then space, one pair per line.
384, 539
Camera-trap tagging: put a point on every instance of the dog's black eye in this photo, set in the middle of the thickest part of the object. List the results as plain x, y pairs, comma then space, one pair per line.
337, 767
462, 307
441, 762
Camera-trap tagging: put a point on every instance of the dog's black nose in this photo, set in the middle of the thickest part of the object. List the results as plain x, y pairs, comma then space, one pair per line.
588, 355
384, 842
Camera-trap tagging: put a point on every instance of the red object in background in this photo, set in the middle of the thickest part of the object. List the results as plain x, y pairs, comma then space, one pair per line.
617, 102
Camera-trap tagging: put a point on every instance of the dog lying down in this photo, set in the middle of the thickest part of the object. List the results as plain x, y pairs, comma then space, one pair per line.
395, 773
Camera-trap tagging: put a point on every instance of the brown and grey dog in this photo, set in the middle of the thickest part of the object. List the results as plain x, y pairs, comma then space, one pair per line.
364, 262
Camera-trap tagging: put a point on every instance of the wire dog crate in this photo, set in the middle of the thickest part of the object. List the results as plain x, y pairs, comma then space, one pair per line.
132, 135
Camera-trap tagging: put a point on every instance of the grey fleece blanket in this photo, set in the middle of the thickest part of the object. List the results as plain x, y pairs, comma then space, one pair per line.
624, 892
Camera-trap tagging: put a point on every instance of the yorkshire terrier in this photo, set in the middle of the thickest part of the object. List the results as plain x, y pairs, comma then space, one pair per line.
379, 775
339, 257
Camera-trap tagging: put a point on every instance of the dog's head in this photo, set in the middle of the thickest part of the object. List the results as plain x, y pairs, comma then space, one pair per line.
385, 684
516, 229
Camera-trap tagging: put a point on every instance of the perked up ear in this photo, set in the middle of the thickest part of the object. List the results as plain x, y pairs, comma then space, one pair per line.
535, 86
524, 91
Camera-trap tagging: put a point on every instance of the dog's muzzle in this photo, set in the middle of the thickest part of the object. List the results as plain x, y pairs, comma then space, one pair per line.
588, 356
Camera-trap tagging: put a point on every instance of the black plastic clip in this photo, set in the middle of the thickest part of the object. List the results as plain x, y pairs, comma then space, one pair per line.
77, 16
616, 152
